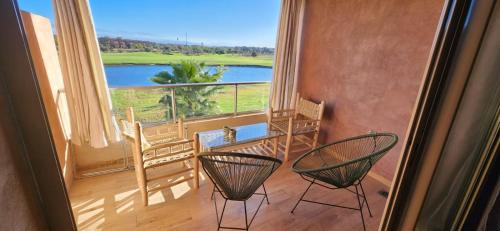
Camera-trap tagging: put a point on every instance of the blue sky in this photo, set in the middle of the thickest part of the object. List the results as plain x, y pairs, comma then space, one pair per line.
211, 22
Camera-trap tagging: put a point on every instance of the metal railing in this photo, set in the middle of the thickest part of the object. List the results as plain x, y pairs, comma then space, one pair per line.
168, 102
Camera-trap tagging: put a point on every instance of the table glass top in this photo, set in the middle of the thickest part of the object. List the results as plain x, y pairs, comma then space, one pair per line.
244, 134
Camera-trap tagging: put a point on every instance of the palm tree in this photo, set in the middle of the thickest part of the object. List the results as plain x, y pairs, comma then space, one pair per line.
190, 101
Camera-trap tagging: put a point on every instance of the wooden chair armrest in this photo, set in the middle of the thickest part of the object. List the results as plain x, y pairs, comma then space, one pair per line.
304, 126
306, 121
165, 136
278, 128
284, 110
282, 113
158, 132
281, 118
170, 144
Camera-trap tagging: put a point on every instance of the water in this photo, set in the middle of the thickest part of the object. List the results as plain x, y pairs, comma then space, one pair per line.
140, 75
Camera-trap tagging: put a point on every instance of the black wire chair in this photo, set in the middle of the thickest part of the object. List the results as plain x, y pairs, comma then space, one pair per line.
343, 164
237, 176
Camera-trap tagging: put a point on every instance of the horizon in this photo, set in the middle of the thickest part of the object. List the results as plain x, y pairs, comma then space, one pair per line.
220, 23
179, 43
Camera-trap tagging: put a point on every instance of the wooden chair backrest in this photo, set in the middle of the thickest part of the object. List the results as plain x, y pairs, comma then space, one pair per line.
129, 132
170, 130
133, 135
308, 109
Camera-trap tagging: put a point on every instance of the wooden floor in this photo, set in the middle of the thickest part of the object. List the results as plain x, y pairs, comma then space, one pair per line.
112, 202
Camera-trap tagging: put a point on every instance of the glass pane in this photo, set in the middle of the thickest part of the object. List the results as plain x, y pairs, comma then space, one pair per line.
150, 105
201, 101
153, 105
253, 97
243, 134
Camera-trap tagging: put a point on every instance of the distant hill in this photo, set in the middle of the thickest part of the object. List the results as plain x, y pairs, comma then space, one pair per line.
109, 44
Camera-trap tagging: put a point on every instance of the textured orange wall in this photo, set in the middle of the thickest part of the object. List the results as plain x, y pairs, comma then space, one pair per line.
366, 59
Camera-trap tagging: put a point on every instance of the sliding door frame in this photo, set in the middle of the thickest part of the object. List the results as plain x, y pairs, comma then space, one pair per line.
456, 44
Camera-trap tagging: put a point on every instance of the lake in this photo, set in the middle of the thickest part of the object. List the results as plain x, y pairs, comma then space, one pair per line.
140, 75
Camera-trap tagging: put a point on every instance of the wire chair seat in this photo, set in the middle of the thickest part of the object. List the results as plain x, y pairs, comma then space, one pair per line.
344, 162
238, 175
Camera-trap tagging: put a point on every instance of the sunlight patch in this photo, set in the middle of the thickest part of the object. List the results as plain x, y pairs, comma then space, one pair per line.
92, 205
94, 217
157, 197
124, 195
125, 207
180, 189
202, 177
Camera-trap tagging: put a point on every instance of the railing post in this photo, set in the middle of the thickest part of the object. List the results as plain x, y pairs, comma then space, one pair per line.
235, 99
174, 108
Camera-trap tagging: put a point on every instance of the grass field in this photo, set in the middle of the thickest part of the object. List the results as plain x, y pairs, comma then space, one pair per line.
147, 107
159, 58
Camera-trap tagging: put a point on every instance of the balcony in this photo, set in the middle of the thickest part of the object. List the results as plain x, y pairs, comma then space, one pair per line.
113, 201
363, 88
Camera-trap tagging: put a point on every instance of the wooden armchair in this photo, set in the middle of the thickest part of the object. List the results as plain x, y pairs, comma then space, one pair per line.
160, 153
298, 123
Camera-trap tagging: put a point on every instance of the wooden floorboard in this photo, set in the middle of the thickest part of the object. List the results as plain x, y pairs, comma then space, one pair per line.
113, 202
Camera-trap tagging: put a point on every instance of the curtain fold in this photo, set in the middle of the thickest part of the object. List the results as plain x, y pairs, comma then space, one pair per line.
287, 53
84, 79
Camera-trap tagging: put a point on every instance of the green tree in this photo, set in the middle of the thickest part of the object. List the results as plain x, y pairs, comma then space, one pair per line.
190, 101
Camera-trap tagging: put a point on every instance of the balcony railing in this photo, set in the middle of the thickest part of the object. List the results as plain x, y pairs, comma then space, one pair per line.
191, 101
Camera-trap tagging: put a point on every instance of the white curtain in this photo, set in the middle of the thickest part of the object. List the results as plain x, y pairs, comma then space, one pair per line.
287, 52
85, 84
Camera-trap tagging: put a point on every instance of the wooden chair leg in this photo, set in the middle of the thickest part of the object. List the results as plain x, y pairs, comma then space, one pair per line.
288, 145
275, 146
196, 164
315, 139
196, 173
144, 194
289, 138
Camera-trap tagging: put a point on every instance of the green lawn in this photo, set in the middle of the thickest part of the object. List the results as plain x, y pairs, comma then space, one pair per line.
159, 58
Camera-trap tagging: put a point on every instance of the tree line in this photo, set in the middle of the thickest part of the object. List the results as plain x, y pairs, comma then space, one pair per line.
109, 44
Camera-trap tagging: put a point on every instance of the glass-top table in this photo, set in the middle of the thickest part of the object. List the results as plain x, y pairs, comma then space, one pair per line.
246, 134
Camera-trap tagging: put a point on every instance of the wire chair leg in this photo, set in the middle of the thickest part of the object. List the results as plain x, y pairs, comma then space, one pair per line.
213, 192
360, 207
265, 193
222, 214
247, 222
219, 221
366, 200
246, 217
302, 197
216, 212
